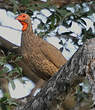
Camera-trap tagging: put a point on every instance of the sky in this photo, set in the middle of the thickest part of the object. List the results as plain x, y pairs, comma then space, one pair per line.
10, 29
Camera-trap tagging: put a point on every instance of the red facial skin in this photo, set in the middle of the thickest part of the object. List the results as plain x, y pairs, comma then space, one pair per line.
21, 18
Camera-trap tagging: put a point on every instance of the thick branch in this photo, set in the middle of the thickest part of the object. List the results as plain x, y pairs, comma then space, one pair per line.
65, 79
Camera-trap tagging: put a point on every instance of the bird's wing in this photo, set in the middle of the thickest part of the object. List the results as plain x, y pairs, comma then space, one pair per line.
52, 54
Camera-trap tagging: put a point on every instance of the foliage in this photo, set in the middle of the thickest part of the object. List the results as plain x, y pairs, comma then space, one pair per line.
6, 73
5, 103
64, 15
59, 16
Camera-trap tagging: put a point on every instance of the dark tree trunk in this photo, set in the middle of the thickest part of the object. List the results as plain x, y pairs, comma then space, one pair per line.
81, 65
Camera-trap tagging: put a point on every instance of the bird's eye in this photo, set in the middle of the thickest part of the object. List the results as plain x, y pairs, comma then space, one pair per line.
23, 16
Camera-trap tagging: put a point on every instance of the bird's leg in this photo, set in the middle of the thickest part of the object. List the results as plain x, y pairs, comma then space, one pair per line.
39, 85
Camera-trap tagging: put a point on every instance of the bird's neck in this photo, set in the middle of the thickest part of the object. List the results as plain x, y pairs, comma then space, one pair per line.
27, 38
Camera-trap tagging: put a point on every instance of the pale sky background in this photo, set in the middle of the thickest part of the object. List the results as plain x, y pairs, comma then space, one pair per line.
14, 36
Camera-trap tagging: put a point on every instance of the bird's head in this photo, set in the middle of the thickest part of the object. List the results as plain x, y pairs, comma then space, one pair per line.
25, 20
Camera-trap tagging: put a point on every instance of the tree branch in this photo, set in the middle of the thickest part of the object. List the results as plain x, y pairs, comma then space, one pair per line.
69, 76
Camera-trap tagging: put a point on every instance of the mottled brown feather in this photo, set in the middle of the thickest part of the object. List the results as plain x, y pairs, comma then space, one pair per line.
43, 58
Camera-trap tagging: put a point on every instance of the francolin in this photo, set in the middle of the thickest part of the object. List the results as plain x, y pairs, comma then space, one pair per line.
42, 57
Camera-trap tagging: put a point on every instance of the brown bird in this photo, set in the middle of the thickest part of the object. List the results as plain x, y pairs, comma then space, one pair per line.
43, 58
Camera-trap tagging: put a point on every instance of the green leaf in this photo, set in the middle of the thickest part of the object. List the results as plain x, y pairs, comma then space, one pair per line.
25, 2
67, 33
18, 58
12, 83
11, 102
83, 21
17, 69
2, 60
4, 70
7, 101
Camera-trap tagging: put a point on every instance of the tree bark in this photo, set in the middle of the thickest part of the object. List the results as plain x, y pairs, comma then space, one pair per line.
81, 65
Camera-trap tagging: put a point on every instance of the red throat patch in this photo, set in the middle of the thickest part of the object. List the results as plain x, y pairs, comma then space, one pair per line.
25, 25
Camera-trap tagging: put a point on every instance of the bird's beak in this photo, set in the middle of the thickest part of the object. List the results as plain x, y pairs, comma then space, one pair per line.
19, 18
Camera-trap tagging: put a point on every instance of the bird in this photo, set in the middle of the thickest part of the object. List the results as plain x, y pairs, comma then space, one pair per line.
43, 58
